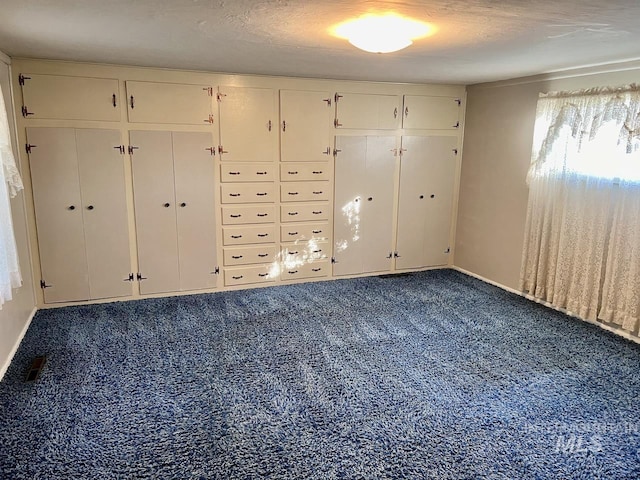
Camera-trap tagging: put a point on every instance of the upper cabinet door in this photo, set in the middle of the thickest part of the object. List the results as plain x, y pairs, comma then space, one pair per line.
70, 98
306, 126
367, 111
431, 113
150, 102
248, 124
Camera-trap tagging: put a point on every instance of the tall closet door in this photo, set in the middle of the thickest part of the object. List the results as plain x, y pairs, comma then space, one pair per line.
58, 207
194, 179
377, 207
155, 211
248, 124
104, 212
306, 126
427, 175
349, 191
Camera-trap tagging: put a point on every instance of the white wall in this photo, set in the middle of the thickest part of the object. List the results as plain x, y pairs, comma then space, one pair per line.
497, 151
15, 314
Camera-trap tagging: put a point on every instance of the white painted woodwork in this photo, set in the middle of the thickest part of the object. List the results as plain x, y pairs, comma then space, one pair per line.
304, 212
431, 113
155, 211
319, 268
240, 215
104, 212
71, 98
248, 124
247, 172
305, 252
306, 126
304, 191
195, 203
427, 178
249, 255
300, 232
58, 209
244, 235
248, 193
295, 172
364, 201
169, 103
248, 275
368, 111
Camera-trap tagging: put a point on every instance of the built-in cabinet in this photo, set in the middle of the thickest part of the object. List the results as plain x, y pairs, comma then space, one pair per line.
184, 180
79, 197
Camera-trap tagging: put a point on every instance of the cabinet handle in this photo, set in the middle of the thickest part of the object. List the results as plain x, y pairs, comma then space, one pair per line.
167, 205
269, 125
284, 126
262, 194
316, 231
293, 234
406, 111
317, 212
71, 207
235, 216
433, 196
236, 236
183, 204
293, 193
132, 102
293, 253
236, 257
457, 125
113, 100
317, 193
293, 213
395, 112
90, 207
370, 199
262, 255
262, 214
262, 235
263, 274
261, 173
234, 173
316, 269
292, 173
319, 172
234, 194
238, 277
421, 197
292, 272
316, 251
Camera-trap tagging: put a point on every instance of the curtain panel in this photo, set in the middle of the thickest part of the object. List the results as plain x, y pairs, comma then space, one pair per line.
582, 234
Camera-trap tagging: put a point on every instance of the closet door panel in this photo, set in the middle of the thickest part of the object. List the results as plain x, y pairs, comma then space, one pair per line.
58, 208
150, 102
155, 210
367, 111
194, 178
377, 204
306, 126
248, 124
104, 212
431, 113
349, 190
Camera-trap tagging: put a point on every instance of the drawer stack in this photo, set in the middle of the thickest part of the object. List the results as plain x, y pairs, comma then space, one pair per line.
305, 191
248, 222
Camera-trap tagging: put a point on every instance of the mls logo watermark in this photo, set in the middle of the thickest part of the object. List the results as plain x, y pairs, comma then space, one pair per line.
575, 444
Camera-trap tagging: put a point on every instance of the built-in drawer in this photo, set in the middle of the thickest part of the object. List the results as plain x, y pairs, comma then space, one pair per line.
247, 172
254, 214
246, 235
301, 232
245, 275
304, 213
248, 193
249, 255
305, 252
304, 191
295, 172
307, 270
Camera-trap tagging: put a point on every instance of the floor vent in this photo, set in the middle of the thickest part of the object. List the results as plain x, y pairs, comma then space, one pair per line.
36, 367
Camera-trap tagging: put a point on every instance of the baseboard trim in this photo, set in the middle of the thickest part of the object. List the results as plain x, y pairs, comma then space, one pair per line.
5, 367
616, 331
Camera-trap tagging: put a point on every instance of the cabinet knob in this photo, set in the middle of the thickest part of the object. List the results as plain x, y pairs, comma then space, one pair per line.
167, 205
370, 198
90, 207
421, 197
183, 204
71, 207
433, 196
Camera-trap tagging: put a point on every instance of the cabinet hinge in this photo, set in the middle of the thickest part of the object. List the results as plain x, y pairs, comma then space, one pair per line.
25, 111
458, 101
209, 120
396, 255
395, 152
336, 123
448, 250
457, 125
209, 91
390, 255
131, 149
211, 150
28, 147
139, 277
401, 151
43, 284
216, 271
333, 260
336, 152
219, 96
22, 78
337, 97
455, 151
121, 149
328, 100
130, 278
221, 150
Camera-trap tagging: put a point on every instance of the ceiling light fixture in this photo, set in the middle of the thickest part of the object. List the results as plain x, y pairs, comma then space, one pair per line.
382, 33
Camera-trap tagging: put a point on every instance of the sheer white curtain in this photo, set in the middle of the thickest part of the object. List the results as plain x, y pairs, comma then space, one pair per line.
10, 184
582, 237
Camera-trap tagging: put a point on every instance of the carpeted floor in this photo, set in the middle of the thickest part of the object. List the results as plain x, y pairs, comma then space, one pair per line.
431, 375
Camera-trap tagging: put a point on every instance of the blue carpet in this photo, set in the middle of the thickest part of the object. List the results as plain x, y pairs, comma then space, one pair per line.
432, 375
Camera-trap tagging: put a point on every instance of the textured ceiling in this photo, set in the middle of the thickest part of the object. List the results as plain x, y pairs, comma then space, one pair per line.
476, 41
